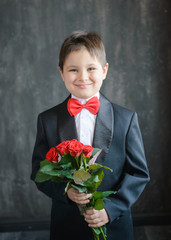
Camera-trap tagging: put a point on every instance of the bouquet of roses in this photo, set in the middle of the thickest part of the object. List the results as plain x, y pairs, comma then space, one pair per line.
74, 163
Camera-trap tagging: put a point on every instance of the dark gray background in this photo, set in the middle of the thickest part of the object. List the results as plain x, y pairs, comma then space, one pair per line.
136, 34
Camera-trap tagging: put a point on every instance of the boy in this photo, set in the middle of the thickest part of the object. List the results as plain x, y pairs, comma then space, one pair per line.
83, 67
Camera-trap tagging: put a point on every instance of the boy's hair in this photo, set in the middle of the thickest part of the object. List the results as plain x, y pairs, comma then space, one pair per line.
79, 40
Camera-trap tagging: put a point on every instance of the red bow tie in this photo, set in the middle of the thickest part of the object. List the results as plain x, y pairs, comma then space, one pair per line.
74, 106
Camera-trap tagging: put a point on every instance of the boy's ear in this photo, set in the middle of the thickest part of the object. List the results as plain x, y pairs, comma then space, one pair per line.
105, 69
61, 72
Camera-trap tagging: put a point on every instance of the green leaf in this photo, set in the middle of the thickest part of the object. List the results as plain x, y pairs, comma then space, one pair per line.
94, 182
41, 177
107, 193
97, 166
99, 204
68, 173
53, 172
68, 186
96, 230
92, 201
49, 170
59, 179
46, 168
81, 176
79, 188
102, 195
97, 195
66, 161
44, 162
66, 165
100, 176
91, 182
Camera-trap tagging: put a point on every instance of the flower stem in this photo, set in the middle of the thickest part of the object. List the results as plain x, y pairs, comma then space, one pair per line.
85, 164
81, 158
96, 237
101, 230
76, 158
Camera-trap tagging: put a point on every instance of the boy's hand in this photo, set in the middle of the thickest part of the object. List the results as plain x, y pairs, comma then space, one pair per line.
96, 218
77, 197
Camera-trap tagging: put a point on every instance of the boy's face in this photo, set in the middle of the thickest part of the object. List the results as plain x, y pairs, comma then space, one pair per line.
83, 74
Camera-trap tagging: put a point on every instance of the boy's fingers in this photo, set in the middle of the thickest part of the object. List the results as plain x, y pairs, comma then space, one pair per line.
96, 218
95, 225
89, 195
91, 211
84, 196
80, 198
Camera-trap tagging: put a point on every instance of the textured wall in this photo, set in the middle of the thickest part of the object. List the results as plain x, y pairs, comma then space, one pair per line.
136, 36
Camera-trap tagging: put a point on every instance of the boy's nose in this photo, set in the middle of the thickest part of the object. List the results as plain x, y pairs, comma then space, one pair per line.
83, 76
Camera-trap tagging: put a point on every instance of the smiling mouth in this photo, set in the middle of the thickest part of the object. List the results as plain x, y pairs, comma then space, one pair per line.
85, 85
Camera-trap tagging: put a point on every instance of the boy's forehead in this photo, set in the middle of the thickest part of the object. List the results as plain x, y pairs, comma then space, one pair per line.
80, 56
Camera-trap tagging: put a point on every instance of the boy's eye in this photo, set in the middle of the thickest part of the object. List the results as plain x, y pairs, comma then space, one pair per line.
91, 69
73, 70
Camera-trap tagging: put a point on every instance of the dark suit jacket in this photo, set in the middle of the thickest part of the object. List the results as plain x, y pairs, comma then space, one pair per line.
118, 134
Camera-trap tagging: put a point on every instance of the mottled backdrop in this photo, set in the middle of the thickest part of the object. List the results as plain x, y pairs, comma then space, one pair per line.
137, 39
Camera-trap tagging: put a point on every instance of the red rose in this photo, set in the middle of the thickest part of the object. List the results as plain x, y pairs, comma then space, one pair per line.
63, 147
75, 148
87, 150
52, 155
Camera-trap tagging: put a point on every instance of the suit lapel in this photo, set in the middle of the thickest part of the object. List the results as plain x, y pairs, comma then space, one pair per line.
66, 123
104, 128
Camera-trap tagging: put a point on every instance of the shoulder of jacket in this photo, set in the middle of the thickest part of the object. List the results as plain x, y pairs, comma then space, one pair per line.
119, 110
122, 110
54, 111
123, 115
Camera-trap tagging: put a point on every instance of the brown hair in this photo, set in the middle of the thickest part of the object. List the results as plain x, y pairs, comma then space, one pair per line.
79, 40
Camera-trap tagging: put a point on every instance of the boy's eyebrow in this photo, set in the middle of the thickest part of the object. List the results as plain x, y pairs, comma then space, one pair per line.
75, 66
92, 64
71, 66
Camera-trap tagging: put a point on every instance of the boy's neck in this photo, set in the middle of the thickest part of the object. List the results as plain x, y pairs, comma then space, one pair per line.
85, 99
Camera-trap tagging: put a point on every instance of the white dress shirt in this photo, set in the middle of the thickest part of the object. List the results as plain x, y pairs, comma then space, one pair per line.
85, 123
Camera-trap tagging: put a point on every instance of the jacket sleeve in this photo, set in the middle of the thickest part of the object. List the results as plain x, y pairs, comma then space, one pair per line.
135, 175
51, 189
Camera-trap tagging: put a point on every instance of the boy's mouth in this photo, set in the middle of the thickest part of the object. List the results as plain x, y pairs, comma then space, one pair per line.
83, 85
